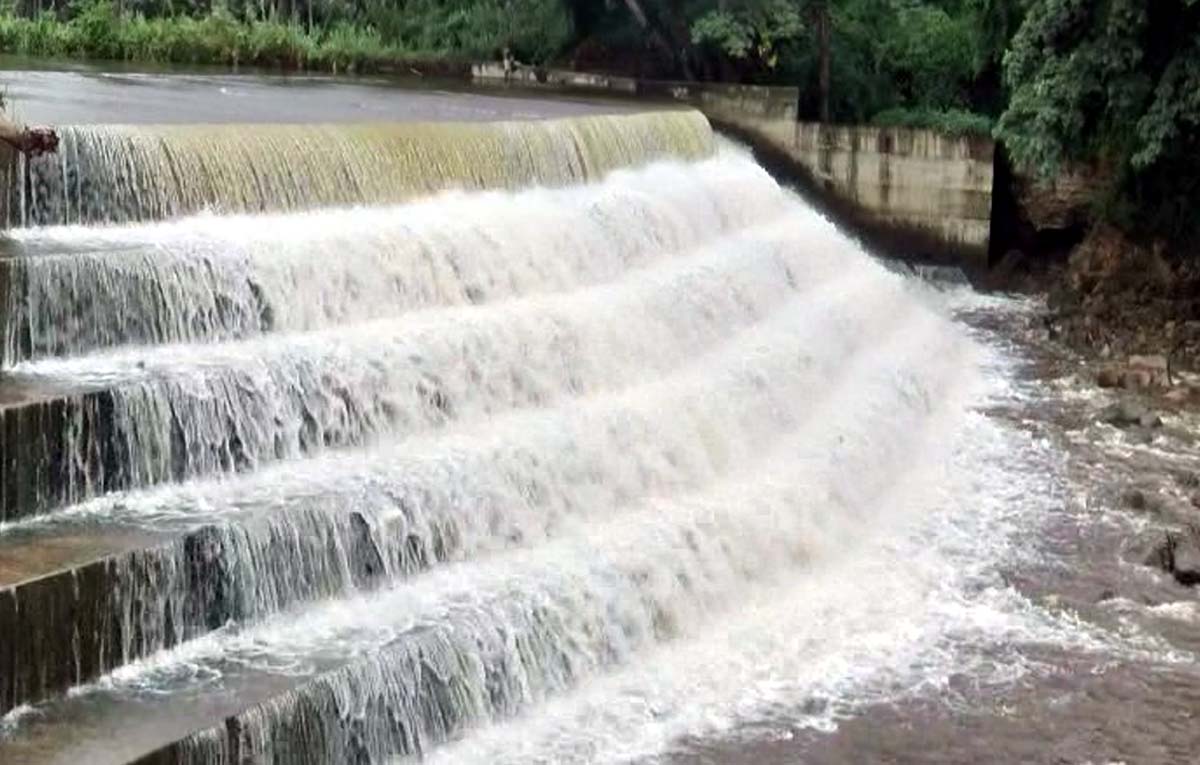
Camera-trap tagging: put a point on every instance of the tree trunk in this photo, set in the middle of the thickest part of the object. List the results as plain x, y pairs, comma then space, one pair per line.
681, 35
824, 33
639, 14
677, 49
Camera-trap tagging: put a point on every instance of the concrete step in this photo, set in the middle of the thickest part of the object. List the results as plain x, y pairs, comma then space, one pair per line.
395, 672
57, 445
61, 602
88, 597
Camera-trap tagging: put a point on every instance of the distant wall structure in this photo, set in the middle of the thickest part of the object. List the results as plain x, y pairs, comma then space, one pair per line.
919, 193
933, 190
491, 73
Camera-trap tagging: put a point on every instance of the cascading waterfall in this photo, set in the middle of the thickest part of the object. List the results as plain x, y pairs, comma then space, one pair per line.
279, 397
354, 523
194, 281
403, 470
107, 174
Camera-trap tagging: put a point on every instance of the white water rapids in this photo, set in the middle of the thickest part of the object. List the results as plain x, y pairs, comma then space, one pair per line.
570, 475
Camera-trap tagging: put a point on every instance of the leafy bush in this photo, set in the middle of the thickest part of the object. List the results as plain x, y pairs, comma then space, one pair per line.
933, 56
755, 31
535, 30
1116, 84
950, 121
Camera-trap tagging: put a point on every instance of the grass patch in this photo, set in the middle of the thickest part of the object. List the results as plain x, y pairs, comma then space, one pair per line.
97, 31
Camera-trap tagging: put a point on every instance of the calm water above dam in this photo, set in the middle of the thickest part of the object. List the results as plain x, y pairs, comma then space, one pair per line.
79, 94
568, 435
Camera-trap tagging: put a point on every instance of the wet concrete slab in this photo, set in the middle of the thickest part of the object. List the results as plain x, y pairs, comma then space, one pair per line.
40, 552
20, 392
105, 728
63, 618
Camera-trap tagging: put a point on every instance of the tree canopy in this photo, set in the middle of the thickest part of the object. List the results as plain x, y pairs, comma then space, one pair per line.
1114, 84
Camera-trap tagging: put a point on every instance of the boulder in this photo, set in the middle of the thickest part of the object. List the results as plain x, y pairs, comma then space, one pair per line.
1178, 554
1155, 363
1155, 370
1136, 499
1109, 377
1126, 414
1180, 395
1140, 373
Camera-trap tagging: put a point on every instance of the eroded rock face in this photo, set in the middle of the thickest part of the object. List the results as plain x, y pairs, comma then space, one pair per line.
1107, 260
1123, 299
1063, 202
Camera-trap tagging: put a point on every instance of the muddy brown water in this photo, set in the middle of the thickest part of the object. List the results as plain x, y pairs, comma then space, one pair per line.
1086, 564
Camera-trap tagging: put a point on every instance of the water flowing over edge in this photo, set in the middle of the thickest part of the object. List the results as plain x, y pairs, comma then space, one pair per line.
118, 174
77, 289
819, 469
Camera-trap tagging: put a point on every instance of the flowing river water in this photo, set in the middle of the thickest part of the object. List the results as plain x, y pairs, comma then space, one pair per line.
572, 440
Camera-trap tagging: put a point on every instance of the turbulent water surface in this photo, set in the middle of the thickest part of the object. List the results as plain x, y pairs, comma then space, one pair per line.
643, 464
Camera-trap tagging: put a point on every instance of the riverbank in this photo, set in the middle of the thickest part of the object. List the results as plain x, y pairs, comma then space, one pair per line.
100, 33
1123, 321
1102, 667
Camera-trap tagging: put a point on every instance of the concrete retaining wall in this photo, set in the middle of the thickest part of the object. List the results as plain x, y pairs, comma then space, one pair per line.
920, 193
926, 194
919, 180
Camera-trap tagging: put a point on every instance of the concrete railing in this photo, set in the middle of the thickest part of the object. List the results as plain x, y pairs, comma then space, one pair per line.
924, 193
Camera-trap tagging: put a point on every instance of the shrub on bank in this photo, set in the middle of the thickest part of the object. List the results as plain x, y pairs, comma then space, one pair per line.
386, 33
99, 32
951, 121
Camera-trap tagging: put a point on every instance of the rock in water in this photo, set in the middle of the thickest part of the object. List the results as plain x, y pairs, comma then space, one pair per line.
1179, 555
1109, 377
1140, 373
1126, 414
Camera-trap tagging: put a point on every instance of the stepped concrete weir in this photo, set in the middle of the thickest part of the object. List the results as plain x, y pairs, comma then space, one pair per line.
118, 174
330, 444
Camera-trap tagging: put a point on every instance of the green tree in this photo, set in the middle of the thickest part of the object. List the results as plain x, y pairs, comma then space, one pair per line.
1116, 83
749, 30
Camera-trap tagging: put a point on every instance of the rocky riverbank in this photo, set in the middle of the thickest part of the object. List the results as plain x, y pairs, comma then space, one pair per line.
1130, 315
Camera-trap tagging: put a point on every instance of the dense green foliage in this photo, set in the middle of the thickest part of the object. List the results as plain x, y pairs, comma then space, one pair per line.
949, 121
924, 55
214, 38
325, 35
1116, 84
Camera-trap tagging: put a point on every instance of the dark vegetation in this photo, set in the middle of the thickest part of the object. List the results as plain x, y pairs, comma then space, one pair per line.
1112, 86
904, 61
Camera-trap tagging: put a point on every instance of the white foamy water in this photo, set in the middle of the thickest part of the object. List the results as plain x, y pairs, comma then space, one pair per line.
213, 278
543, 476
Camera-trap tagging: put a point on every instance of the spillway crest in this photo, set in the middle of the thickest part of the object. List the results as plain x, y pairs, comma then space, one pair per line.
117, 174
346, 444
